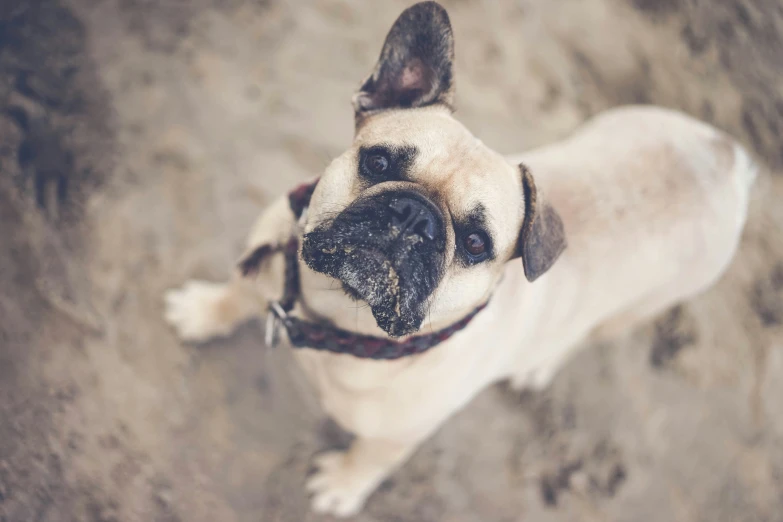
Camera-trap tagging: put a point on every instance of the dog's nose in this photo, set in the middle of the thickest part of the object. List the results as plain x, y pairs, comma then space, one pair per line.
412, 216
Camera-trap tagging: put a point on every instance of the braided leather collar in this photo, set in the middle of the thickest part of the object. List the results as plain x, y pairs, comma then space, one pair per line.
325, 336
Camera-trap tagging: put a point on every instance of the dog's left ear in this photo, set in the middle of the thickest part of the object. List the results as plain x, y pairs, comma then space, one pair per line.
542, 238
415, 67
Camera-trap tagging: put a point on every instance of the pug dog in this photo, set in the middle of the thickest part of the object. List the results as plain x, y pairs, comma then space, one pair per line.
474, 267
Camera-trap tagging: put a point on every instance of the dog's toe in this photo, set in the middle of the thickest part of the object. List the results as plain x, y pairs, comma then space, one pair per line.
337, 488
194, 310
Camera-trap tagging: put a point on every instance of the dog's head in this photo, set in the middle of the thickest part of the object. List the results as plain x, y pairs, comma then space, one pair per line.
418, 217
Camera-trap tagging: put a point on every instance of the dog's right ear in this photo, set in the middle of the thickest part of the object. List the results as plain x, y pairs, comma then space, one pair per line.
542, 238
415, 67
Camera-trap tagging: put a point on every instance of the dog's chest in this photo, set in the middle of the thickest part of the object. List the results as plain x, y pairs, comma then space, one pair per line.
403, 397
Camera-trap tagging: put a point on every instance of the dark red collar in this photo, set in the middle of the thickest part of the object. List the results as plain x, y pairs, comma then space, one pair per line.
321, 335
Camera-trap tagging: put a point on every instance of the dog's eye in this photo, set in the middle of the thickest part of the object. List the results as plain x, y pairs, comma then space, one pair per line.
376, 164
476, 243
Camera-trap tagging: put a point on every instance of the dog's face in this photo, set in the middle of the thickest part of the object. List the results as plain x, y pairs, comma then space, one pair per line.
418, 217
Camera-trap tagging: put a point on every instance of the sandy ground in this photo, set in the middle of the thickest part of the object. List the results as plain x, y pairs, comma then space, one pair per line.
168, 125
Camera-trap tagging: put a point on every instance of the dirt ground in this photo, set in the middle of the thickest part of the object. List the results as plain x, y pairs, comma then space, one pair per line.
155, 131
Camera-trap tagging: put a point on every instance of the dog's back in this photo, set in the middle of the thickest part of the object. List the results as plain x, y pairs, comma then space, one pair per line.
654, 203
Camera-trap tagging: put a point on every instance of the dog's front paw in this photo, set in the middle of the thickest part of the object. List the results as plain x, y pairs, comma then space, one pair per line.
199, 310
339, 488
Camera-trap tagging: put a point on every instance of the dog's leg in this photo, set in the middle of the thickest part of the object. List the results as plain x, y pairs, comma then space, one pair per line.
535, 375
345, 479
201, 310
539, 378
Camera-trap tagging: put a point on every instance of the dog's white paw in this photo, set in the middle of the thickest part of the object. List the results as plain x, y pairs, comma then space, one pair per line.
198, 310
534, 381
338, 488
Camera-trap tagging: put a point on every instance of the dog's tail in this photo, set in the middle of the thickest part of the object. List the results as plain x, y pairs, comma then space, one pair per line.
745, 168
744, 172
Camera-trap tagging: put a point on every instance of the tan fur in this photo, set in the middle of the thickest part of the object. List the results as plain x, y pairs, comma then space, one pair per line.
653, 204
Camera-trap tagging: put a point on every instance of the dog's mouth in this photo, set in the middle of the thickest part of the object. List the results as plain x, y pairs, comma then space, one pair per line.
369, 276
393, 272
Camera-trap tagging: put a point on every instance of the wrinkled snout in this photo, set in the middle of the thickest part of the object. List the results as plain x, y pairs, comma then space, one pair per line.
387, 250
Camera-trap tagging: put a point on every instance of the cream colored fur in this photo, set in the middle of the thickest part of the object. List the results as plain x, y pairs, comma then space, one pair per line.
653, 204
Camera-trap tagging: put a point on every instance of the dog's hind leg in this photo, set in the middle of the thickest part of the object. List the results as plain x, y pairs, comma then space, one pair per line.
535, 369
201, 310
538, 378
